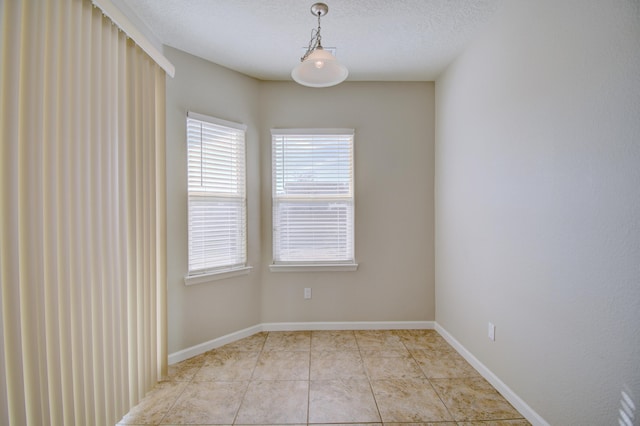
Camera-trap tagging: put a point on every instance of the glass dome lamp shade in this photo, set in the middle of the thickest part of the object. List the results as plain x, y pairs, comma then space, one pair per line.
320, 69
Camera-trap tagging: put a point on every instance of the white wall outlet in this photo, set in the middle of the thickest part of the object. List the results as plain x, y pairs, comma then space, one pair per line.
492, 332
307, 293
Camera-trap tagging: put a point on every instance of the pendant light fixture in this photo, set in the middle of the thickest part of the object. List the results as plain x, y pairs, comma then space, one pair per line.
318, 67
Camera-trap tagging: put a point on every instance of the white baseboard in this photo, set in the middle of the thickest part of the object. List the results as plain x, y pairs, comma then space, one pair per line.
297, 326
212, 344
534, 418
348, 325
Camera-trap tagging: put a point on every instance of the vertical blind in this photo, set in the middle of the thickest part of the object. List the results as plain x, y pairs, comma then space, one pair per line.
217, 194
313, 209
82, 223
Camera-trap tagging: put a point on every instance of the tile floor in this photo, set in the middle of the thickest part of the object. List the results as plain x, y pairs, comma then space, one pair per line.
389, 377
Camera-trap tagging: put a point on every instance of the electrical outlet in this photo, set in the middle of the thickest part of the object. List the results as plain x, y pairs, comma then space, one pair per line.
492, 332
307, 293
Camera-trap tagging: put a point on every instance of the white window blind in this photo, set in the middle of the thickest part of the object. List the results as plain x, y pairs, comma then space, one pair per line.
216, 194
313, 209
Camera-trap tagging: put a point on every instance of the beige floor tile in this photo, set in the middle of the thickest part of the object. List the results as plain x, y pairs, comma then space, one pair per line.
346, 401
252, 343
517, 422
391, 365
386, 353
443, 364
423, 339
346, 424
227, 366
408, 400
274, 402
282, 365
336, 365
473, 399
378, 340
333, 341
207, 403
155, 405
288, 341
423, 424
185, 370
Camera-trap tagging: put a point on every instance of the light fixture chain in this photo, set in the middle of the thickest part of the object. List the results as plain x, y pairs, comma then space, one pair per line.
316, 40
318, 36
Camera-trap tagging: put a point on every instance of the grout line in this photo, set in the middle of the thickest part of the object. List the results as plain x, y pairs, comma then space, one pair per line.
235, 417
188, 384
375, 400
441, 400
431, 384
428, 380
176, 400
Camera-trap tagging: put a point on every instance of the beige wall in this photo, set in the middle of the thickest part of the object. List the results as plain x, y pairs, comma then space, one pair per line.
394, 141
538, 205
203, 312
393, 156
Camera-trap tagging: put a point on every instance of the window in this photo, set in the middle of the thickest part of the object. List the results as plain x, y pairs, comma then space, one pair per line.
216, 195
313, 209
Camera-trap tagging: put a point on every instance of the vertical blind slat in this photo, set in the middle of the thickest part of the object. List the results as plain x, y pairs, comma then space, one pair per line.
11, 369
162, 350
64, 65
51, 236
30, 178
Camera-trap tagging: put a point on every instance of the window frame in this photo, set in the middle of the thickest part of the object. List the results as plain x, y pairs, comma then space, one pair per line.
313, 265
202, 275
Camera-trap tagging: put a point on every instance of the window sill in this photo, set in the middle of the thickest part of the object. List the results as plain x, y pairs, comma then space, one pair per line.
310, 267
217, 275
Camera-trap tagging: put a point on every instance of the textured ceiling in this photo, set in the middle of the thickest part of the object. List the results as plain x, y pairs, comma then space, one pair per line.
378, 40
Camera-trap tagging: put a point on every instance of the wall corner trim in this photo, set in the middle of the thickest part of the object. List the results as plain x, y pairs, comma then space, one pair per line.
510, 395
